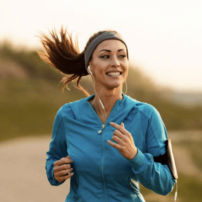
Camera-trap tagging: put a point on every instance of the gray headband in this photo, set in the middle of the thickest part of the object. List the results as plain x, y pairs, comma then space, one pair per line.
97, 40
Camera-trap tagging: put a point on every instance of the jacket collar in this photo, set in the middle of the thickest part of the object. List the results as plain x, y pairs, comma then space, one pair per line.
85, 113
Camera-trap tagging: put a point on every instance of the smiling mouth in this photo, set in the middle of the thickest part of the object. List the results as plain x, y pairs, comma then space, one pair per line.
114, 74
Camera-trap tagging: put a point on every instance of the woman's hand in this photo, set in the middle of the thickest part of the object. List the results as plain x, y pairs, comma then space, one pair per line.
62, 169
125, 143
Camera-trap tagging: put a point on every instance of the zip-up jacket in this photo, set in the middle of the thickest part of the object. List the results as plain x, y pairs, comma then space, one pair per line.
101, 173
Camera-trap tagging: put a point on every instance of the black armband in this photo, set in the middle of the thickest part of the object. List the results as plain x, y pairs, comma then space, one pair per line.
168, 159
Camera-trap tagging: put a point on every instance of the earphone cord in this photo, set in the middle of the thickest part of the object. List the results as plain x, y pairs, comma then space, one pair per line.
175, 197
126, 87
98, 97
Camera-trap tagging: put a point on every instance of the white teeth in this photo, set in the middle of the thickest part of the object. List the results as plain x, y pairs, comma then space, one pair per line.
114, 73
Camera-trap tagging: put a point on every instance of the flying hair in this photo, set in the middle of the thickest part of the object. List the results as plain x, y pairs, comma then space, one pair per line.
62, 52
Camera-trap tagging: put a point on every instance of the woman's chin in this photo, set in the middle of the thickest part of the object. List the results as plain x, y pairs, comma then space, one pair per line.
114, 85
110, 85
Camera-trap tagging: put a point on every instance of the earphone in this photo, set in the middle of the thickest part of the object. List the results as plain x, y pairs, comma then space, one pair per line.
90, 70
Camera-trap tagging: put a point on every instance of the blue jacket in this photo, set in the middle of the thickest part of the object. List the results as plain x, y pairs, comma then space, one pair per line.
101, 173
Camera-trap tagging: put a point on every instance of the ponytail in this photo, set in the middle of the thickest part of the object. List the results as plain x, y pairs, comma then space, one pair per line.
64, 55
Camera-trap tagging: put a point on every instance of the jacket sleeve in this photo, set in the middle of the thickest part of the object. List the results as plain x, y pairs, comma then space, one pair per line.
57, 148
153, 175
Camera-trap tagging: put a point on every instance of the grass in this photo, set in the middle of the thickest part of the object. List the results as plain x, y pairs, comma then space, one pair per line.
189, 188
28, 107
195, 150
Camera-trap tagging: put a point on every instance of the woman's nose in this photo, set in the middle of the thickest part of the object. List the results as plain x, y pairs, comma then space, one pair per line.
115, 61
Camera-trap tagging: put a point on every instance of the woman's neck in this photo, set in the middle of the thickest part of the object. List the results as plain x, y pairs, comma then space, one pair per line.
108, 100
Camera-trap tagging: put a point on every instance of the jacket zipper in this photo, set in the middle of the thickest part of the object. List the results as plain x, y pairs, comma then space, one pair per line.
100, 132
102, 163
102, 157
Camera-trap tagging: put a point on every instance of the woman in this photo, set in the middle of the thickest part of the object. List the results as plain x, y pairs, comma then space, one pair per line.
105, 143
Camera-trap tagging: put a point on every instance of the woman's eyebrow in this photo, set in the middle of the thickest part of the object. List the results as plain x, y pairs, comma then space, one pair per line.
121, 50
110, 50
105, 50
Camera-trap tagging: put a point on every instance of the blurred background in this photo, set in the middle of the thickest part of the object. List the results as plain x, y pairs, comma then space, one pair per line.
165, 50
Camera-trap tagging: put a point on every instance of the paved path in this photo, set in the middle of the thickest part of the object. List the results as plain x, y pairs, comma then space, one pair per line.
22, 172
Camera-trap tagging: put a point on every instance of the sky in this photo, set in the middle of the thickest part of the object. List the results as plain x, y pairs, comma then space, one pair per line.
164, 38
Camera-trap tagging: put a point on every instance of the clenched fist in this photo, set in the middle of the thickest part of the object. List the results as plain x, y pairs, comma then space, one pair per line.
62, 169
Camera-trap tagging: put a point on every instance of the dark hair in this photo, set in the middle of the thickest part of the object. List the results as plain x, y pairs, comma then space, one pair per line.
61, 52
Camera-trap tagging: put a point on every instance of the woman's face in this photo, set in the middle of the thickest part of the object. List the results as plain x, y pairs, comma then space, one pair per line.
109, 64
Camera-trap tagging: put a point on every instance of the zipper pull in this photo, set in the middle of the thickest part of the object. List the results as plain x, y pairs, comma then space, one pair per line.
100, 131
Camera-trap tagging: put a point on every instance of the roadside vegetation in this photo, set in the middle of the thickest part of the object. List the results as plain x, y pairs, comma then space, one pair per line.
30, 95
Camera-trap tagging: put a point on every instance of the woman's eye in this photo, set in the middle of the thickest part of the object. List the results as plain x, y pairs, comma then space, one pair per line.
122, 56
105, 56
